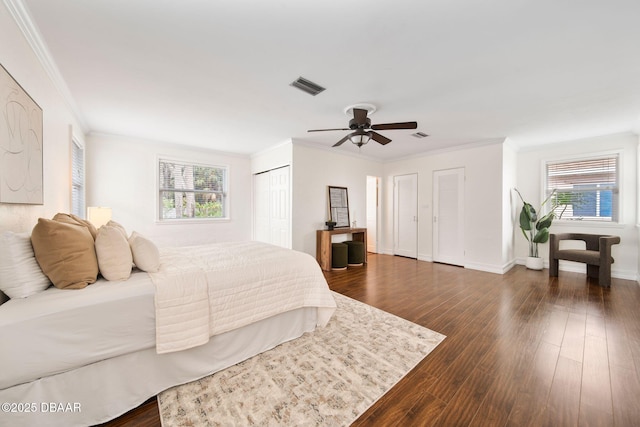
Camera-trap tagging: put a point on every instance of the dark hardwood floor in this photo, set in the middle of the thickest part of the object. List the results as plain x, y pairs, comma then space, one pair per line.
522, 349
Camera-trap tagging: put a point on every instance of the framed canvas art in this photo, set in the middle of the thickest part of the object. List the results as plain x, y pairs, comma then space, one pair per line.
20, 144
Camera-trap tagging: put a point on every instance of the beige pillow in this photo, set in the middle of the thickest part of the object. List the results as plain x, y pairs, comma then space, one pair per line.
114, 255
117, 225
73, 219
145, 253
65, 253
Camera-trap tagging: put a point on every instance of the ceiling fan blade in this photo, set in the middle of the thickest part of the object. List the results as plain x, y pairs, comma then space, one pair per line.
379, 138
342, 141
360, 116
324, 130
403, 125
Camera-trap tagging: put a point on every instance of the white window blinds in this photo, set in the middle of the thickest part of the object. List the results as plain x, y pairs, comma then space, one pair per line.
191, 191
585, 189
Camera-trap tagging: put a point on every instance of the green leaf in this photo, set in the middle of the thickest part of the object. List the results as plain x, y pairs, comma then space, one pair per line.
533, 214
545, 221
541, 236
527, 217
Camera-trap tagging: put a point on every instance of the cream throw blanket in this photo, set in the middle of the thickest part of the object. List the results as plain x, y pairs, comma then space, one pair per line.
206, 290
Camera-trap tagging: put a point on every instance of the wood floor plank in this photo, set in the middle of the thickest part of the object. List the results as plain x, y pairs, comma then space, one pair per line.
535, 388
563, 405
573, 341
625, 389
522, 349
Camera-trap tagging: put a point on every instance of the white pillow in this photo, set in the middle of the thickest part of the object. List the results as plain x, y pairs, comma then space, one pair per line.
114, 255
145, 253
20, 274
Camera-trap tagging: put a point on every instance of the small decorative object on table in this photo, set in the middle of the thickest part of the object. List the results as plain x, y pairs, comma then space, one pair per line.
330, 225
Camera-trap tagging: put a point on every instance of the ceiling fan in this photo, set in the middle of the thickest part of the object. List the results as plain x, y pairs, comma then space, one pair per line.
361, 126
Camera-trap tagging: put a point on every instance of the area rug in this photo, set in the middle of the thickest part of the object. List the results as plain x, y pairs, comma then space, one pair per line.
325, 378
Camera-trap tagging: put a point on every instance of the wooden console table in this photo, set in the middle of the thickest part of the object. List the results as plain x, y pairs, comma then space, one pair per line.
323, 243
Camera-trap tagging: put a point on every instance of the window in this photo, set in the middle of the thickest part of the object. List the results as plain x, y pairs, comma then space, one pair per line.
77, 180
585, 189
191, 191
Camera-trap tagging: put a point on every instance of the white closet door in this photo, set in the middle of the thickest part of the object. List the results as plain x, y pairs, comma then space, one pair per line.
280, 216
272, 207
405, 215
261, 214
448, 216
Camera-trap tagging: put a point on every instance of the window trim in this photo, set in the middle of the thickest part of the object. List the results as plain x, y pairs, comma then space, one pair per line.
577, 158
173, 221
75, 143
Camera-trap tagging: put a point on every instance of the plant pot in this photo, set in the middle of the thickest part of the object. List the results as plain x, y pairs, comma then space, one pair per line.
534, 263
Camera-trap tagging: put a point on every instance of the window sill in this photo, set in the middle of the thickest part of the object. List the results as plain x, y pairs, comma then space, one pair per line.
191, 221
589, 224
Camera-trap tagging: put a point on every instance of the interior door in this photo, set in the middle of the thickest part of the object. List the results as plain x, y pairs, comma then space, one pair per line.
280, 216
261, 210
405, 215
448, 216
272, 207
372, 213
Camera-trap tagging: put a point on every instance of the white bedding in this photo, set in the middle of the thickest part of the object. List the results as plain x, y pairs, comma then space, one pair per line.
59, 330
206, 290
56, 330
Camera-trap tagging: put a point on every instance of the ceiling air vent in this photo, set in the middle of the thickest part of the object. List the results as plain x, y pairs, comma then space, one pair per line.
419, 135
307, 86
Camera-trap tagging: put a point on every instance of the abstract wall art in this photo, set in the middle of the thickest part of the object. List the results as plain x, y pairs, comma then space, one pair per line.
21, 156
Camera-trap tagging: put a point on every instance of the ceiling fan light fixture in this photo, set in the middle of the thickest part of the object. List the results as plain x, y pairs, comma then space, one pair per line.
360, 139
370, 108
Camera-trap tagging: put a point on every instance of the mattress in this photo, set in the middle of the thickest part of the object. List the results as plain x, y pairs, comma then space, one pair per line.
57, 330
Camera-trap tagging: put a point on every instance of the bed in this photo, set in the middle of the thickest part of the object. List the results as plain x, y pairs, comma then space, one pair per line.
82, 357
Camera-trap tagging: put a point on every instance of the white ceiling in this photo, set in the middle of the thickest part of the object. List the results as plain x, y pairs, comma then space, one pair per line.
217, 73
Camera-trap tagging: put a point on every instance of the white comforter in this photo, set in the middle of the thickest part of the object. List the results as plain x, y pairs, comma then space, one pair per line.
206, 290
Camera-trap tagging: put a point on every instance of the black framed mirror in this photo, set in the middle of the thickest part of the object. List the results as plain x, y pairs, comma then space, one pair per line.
339, 206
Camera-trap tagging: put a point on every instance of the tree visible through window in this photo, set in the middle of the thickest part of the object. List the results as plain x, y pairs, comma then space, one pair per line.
191, 191
587, 189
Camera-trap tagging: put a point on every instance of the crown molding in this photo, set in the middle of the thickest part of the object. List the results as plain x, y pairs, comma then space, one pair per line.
29, 29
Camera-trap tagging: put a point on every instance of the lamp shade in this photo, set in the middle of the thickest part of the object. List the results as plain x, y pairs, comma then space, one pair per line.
360, 138
98, 216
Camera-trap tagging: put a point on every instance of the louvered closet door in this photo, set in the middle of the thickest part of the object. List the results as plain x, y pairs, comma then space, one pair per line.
272, 207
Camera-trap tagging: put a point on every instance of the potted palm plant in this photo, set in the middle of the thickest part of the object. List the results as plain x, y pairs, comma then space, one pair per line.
536, 229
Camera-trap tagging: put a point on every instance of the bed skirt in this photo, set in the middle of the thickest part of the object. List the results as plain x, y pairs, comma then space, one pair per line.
104, 390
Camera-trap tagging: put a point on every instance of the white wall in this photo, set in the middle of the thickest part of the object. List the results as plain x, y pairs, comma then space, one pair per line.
509, 207
18, 58
122, 174
312, 171
276, 157
483, 232
530, 182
